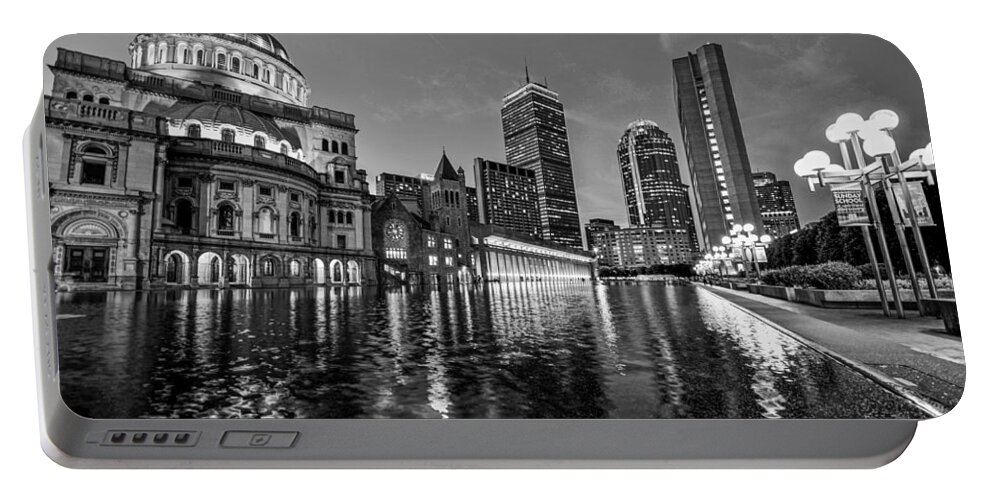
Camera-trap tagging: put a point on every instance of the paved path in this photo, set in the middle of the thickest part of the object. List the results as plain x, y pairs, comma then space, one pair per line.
914, 352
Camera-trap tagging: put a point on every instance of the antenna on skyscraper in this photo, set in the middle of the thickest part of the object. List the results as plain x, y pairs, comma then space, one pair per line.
527, 76
546, 82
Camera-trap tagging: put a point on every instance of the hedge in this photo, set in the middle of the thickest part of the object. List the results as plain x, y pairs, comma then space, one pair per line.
827, 276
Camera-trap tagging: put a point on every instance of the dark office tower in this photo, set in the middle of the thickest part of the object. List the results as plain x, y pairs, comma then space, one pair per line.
775, 197
508, 197
595, 227
715, 148
535, 138
655, 194
406, 188
471, 204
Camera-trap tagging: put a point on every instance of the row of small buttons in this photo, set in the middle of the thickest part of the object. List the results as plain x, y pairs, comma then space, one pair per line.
231, 439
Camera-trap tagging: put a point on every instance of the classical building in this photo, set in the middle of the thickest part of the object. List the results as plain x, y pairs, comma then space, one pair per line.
715, 147
508, 197
653, 190
200, 164
429, 249
535, 138
779, 216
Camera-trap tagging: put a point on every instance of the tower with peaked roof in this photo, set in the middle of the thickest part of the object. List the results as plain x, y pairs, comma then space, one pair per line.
445, 206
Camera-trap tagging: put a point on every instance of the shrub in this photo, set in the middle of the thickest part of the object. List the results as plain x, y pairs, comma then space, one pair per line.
828, 276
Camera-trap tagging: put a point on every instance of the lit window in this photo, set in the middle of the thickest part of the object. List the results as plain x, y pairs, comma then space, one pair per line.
432, 242
432, 260
448, 243
448, 260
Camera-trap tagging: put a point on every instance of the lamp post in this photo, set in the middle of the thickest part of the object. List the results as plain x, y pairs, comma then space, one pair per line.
876, 142
741, 237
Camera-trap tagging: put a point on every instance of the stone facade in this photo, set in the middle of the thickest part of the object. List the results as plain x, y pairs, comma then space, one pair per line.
182, 171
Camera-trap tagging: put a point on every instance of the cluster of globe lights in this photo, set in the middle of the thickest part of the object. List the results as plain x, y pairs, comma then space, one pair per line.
877, 140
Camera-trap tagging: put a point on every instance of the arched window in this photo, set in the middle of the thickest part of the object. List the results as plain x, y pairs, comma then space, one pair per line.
295, 225
266, 225
340, 217
344, 148
348, 218
227, 135
87, 97
160, 56
295, 268
334, 146
225, 218
268, 267
184, 216
236, 64
325, 146
72, 95
255, 71
222, 61
104, 100
284, 150
193, 130
187, 56
201, 61
267, 76
260, 142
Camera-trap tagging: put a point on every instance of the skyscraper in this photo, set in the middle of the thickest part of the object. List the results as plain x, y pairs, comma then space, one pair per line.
715, 148
654, 193
775, 197
507, 197
535, 138
595, 227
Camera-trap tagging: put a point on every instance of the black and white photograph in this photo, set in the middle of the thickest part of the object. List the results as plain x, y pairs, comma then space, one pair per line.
629, 226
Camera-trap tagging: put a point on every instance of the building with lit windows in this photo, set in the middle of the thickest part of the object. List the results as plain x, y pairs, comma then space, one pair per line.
407, 188
535, 138
715, 147
595, 227
642, 247
433, 248
653, 191
779, 216
507, 197
200, 164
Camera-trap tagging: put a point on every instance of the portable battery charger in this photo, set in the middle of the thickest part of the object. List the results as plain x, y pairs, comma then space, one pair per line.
578, 251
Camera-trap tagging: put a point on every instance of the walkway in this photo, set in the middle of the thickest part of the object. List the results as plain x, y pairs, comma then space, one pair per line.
913, 354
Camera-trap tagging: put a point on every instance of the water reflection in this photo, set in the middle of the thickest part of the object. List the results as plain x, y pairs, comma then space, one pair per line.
500, 350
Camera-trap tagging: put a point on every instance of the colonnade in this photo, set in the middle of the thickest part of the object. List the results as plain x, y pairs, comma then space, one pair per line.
499, 264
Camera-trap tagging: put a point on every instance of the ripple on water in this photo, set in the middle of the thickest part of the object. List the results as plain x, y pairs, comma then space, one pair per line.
515, 350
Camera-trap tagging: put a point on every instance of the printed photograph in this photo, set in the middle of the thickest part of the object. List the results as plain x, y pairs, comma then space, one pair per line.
249, 225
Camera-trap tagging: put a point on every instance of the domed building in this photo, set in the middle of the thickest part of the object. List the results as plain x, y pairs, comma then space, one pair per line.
199, 164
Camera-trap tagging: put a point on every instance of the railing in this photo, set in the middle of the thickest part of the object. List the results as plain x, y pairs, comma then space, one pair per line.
104, 115
207, 147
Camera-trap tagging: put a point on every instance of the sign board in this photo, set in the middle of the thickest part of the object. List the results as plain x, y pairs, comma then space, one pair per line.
850, 206
737, 253
920, 206
760, 255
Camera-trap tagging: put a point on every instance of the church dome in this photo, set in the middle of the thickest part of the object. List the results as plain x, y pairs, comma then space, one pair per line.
225, 114
251, 63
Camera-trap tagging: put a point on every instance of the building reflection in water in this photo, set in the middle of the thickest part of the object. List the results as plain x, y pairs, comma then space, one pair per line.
493, 350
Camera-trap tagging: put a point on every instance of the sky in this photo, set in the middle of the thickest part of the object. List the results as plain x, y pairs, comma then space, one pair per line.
413, 95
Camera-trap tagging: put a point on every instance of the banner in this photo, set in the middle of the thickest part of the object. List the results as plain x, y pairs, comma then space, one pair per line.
850, 206
921, 208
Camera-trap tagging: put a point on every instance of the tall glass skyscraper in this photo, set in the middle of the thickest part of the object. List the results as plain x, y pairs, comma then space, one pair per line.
654, 193
535, 138
715, 148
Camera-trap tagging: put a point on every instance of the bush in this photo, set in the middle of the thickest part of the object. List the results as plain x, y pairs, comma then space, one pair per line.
827, 276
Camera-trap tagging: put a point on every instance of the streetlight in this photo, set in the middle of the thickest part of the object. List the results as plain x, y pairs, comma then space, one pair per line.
873, 137
741, 237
